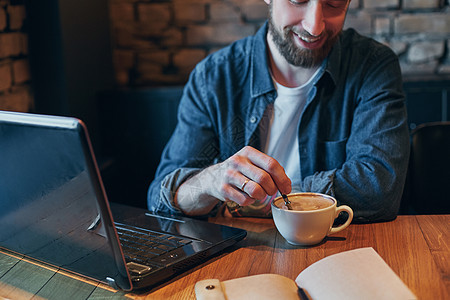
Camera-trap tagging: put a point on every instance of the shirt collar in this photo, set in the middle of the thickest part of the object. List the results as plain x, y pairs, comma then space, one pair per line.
333, 61
261, 81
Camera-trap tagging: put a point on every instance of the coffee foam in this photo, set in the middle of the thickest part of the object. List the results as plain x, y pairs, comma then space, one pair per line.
306, 202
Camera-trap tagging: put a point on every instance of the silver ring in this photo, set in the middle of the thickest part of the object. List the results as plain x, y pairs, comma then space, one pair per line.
243, 185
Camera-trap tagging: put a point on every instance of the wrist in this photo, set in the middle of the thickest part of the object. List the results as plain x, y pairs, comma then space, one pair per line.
193, 196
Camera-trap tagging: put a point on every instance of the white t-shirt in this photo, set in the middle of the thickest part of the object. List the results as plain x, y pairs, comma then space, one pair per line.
282, 139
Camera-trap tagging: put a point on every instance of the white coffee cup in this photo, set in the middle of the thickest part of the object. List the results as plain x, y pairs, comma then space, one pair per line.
311, 218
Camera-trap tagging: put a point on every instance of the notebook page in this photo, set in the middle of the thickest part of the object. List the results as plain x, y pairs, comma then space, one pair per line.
354, 274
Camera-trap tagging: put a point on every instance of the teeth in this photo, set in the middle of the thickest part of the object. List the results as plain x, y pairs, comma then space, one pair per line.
308, 40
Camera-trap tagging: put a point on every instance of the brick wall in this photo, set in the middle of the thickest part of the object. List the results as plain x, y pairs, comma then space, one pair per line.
15, 91
158, 42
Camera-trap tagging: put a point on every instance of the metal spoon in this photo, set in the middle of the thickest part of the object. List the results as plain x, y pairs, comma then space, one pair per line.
286, 201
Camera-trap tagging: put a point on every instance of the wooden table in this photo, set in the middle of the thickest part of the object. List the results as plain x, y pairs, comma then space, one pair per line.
417, 248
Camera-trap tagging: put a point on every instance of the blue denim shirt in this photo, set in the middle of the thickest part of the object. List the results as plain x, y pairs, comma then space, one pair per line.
353, 135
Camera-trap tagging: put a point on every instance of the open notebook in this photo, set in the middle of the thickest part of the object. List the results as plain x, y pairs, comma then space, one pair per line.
54, 209
354, 274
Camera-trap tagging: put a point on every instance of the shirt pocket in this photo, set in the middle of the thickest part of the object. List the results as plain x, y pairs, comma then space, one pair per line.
333, 154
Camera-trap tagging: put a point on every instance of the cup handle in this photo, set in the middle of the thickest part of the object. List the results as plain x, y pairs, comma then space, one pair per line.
349, 219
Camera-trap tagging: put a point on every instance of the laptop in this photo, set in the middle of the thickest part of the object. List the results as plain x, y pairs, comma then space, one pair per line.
54, 209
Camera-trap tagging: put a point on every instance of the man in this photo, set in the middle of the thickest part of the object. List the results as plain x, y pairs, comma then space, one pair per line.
300, 106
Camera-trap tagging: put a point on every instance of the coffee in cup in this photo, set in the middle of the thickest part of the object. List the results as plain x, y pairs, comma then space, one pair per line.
307, 201
311, 218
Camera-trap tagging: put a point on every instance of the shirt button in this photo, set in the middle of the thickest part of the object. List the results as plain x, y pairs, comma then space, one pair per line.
253, 119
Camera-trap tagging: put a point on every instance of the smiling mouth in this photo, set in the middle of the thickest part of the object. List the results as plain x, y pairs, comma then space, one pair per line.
308, 39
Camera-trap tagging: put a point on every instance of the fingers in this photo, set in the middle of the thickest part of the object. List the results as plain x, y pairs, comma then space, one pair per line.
231, 193
246, 176
254, 190
241, 189
264, 170
263, 176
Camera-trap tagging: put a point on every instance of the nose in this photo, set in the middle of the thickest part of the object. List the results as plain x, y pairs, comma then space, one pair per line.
313, 21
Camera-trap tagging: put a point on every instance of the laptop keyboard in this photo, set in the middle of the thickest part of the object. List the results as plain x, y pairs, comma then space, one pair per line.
147, 247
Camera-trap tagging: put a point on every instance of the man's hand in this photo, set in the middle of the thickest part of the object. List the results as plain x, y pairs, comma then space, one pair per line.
245, 177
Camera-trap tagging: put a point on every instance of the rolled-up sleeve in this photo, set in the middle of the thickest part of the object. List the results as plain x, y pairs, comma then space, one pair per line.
161, 198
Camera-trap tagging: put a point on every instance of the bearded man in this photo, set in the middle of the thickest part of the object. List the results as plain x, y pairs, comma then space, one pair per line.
300, 106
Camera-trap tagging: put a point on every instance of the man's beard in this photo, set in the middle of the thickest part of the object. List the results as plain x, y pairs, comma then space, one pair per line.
300, 57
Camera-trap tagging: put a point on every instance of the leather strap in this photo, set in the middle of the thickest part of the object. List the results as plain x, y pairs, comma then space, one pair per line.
209, 289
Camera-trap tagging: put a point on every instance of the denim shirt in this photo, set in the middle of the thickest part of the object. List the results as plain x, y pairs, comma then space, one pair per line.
353, 135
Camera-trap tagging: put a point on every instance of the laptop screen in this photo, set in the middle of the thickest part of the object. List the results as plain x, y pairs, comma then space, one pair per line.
49, 209
54, 209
